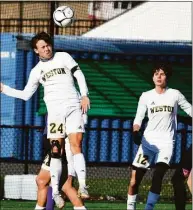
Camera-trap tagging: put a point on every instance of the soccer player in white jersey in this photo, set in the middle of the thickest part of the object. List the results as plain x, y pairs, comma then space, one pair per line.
156, 147
55, 71
43, 179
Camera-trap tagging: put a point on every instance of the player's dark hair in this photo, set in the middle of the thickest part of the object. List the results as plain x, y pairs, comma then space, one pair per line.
165, 67
41, 36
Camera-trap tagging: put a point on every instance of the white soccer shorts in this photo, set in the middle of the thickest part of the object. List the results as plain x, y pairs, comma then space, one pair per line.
64, 120
145, 156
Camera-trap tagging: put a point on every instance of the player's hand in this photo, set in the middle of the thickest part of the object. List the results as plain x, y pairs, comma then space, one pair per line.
1, 87
137, 137
85, 104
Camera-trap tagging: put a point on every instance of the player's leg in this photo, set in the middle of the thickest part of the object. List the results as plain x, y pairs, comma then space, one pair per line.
181, 173
79, 163
42, 180
189, 181
69, 157
179, 189
136, 178
187, 166
56, 133
154, 193
63, 178
162, 160
71, 193
55, 164
75, 130
141, 162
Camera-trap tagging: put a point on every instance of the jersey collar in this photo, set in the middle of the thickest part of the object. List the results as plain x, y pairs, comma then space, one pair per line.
46, 59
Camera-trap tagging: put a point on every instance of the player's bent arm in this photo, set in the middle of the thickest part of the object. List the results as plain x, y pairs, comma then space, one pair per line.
25, 94
85, 102
77, 73
140, 114
184, 104
141, 110
81, 82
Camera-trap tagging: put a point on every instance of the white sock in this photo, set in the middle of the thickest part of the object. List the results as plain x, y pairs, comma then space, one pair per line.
69, 157
39, 207
131, 202
71, 170
80, 168
152, 199
80, 208
55, 173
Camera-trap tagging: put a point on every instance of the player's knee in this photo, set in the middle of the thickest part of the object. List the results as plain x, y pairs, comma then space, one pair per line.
136, 177
75, 144
160, 170
76, 140
65, 188
41, 183
76, 148
133, 183
67, 184
55, 149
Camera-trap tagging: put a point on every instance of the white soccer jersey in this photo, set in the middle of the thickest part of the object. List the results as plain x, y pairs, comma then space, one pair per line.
56, 77
162, 113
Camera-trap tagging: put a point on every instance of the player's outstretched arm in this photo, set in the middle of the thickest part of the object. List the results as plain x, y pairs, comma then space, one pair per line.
25, 94
2, 87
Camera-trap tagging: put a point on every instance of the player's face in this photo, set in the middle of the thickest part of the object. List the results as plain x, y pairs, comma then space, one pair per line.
159, 78
43, 49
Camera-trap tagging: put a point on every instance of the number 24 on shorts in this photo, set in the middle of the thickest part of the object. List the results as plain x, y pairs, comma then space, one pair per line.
54, 128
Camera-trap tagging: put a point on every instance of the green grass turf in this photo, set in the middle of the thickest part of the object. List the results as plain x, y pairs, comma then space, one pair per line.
91, 205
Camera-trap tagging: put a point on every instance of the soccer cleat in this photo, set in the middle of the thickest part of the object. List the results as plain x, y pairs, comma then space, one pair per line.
59, 201
83, 192
131, 206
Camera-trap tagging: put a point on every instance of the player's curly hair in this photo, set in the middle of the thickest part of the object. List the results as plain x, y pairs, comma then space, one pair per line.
41, 36
166, 67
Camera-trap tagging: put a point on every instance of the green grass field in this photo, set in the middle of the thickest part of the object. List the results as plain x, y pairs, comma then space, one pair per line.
91, 205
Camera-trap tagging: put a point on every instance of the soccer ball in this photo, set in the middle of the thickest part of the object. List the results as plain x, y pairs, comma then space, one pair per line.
63, 16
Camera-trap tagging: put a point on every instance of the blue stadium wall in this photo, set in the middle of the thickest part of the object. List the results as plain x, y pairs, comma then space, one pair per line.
15, 68
115, 143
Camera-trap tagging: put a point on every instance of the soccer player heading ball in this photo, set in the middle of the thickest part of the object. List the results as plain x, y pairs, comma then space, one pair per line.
55, 71
161, 104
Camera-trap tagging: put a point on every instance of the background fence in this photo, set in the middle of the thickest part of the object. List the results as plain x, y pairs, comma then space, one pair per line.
107, 147
33, 17
117, 72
